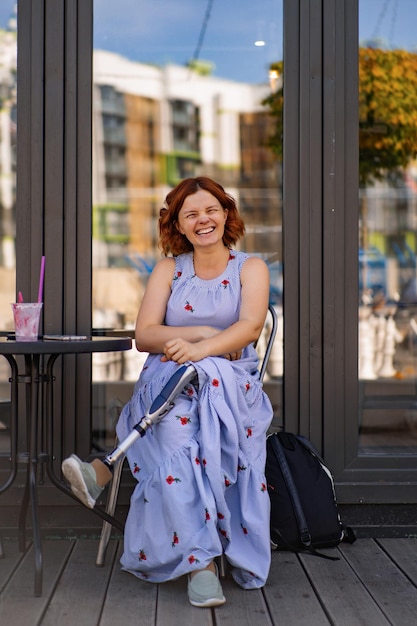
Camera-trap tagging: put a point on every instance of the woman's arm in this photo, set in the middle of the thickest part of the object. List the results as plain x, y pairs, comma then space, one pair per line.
151, 334
255, 297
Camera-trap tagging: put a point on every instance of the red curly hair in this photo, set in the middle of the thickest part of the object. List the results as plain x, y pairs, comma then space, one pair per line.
171, 241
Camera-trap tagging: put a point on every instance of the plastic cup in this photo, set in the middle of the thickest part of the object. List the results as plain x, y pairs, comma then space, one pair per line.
26, 320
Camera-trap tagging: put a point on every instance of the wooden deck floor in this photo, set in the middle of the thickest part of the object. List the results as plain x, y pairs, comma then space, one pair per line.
373, 584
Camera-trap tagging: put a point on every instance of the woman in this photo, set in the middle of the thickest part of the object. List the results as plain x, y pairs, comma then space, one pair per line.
201, 487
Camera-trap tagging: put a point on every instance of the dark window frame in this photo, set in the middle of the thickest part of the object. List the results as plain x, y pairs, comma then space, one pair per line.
320, 247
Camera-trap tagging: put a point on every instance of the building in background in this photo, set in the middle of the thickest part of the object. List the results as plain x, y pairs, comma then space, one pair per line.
154, 126
8, 64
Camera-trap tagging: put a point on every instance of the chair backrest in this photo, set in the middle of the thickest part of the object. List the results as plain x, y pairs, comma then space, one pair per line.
270, 328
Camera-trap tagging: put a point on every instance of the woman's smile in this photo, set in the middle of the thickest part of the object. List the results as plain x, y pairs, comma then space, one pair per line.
202, 218
205, 231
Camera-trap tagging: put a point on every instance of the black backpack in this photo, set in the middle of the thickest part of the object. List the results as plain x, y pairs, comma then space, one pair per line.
304, 513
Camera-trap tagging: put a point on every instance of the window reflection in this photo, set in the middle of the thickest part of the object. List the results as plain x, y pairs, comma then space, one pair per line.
388, 227
179, 90
8, 63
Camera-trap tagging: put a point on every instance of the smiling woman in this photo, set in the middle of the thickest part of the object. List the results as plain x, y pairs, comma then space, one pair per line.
201, 219
208, 200
206, 308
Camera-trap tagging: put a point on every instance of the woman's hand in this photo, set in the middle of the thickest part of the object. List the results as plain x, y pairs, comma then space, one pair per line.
181, 351
233, 356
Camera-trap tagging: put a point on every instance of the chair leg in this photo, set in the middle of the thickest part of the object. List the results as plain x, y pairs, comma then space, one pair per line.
222, 565
110, 509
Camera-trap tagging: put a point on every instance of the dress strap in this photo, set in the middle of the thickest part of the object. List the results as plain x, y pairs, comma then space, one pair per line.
184, 265
239, 258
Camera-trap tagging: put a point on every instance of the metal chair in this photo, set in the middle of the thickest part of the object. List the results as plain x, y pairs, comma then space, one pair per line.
270, 330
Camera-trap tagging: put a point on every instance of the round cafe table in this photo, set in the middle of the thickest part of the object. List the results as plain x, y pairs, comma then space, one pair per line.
35, 373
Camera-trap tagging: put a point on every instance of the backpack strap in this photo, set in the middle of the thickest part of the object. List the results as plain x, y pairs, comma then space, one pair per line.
348, 532
303, 529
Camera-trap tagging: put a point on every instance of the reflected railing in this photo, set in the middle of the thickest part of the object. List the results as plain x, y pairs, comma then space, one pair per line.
387, 379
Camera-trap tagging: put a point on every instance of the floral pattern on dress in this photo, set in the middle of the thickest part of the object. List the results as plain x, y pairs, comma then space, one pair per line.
184, 420
192, 559
171, 480
136, 468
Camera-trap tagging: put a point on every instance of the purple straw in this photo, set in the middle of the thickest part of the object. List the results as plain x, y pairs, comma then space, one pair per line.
41, 277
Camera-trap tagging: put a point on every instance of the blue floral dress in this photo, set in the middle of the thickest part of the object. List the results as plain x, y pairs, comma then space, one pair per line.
201, 488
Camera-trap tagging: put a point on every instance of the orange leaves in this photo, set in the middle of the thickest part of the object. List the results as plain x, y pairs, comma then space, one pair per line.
387, 111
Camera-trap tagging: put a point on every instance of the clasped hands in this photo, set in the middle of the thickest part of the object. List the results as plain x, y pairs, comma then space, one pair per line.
181, 351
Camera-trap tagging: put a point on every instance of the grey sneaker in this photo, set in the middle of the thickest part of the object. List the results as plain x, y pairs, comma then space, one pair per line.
82, 479
205, 590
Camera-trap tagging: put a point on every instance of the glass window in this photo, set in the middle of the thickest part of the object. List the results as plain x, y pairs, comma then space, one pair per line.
179, 91
8, 66
388, 227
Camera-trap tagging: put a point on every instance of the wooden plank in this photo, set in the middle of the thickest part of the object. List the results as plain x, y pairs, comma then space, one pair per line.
373, 584
387, 585
403, 553
127, 596
10, 560
289, 595
343, 593
243, 607
174, 608
18, 605
80, 592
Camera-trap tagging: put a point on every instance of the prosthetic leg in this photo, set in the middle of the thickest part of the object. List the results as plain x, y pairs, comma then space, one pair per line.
160, 407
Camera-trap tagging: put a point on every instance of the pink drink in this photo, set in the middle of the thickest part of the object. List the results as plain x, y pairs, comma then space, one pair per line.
26, 320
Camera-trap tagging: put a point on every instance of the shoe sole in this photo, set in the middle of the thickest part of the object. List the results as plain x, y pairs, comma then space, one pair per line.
72, 473
208, 603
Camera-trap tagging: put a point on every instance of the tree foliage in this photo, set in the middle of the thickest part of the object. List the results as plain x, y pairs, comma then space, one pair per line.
275, 101
387, 112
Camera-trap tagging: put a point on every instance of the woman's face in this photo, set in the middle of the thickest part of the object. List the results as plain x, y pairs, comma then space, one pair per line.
201, 219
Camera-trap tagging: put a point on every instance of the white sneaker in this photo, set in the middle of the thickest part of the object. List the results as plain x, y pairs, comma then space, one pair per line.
204, 590
82, 479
